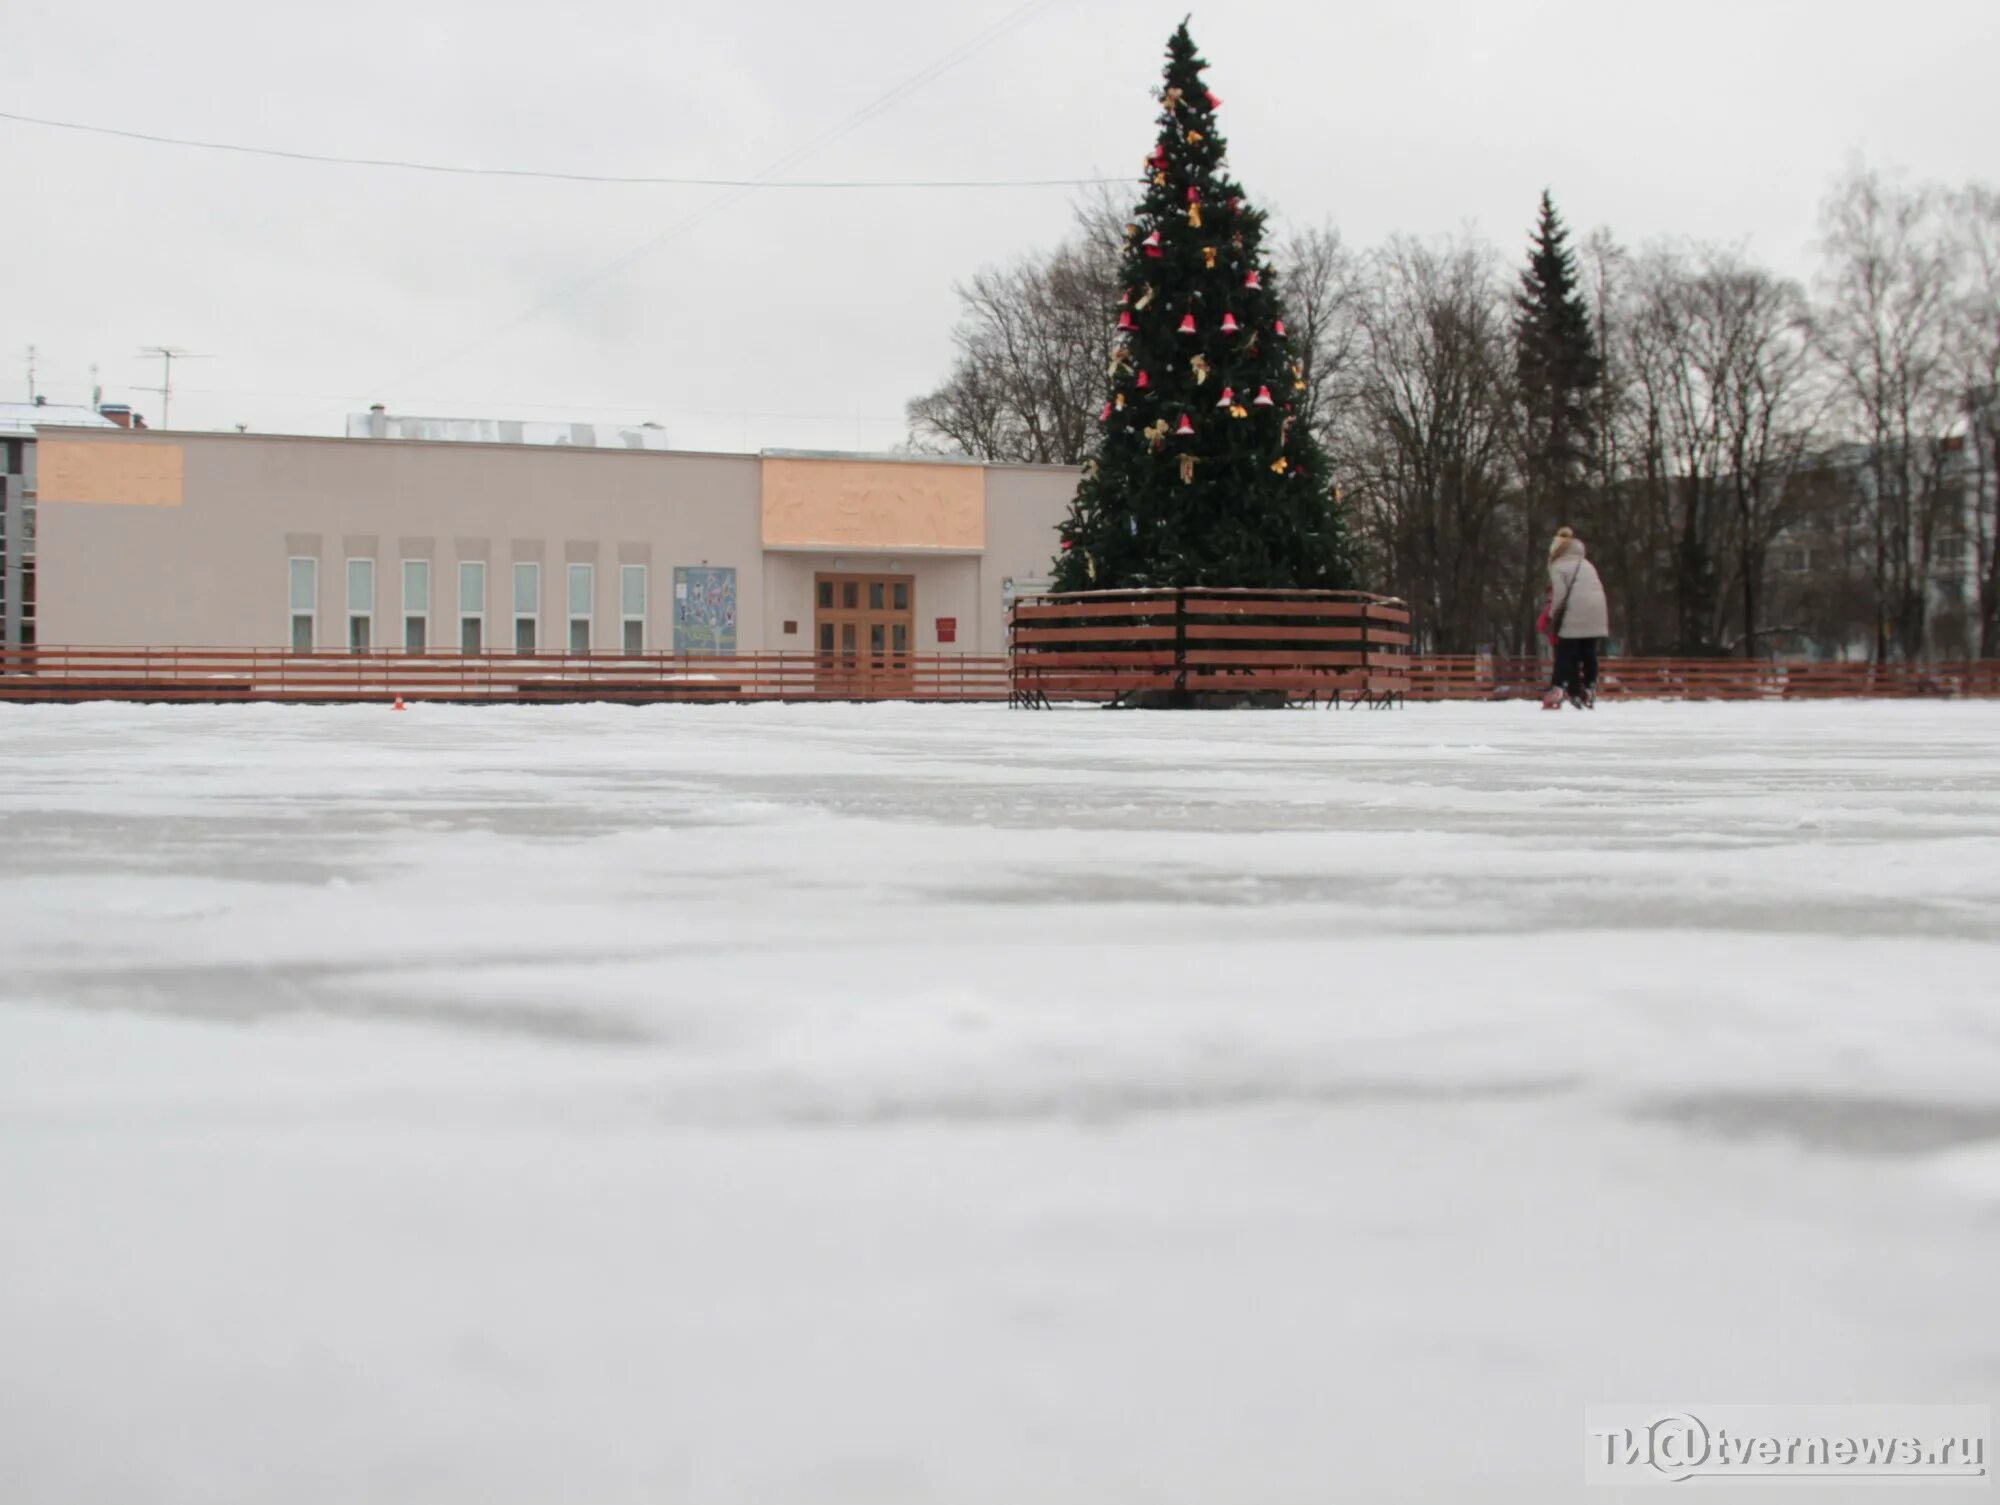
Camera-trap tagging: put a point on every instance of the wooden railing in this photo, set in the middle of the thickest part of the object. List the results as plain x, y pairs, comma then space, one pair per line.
225, 674
1185, 646
1064, 651
1469, 678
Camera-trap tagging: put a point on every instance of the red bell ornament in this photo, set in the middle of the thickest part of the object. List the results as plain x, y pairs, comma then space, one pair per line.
1263, 399
1105, 416
1187, 324
1152, 242
1144, 381
1227, 399
1213, 102
1229, 324
1251, 283
1126, 323
1186, 430
1125, 301
1280, 328
1194, 194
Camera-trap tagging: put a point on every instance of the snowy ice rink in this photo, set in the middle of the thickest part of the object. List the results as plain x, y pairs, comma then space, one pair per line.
900, 1103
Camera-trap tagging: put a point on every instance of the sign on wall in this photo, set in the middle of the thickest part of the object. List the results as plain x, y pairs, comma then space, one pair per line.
1027, 585
704, 609
947, 629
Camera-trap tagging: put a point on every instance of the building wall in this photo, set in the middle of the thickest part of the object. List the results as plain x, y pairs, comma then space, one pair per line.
1023, 506
160, 538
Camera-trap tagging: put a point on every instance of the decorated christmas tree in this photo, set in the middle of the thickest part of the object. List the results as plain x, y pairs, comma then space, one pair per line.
1205, 473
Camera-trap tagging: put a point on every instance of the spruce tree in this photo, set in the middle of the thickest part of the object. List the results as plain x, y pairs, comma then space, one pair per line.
1556, 360
1205, 472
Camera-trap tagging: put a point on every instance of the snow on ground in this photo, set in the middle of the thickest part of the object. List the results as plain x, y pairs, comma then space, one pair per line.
919, 1103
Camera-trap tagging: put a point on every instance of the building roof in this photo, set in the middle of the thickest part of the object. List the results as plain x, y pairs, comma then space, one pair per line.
23, 417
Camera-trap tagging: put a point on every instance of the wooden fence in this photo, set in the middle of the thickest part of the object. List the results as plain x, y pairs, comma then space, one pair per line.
1172, 647
1482, 678
223, 674
1350, 656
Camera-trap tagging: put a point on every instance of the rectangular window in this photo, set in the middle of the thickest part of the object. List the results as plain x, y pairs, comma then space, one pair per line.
304, 601
360, 604
472, 605
582, 592
527, 606
416, 605
632, 606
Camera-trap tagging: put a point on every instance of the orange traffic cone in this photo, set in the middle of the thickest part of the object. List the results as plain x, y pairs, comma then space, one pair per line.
398, 705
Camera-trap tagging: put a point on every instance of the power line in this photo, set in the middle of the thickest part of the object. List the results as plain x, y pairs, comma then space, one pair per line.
867, 112
560, 177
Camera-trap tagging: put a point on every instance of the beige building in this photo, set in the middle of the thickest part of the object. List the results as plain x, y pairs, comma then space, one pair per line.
252, 540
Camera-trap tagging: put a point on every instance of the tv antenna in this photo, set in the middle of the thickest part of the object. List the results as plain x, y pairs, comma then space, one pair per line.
168, 354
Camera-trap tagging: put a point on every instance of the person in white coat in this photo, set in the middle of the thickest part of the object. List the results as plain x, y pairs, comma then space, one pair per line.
1581, 618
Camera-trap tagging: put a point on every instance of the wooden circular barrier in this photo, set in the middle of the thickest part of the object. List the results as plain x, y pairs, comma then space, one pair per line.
1203, 647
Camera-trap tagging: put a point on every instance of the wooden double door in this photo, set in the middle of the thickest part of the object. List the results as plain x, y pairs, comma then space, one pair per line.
864, 628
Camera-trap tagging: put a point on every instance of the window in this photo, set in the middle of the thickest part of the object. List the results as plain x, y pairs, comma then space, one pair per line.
632, 606
527, 606
416, 605
304, 603
472, 605
582, 587
360, 604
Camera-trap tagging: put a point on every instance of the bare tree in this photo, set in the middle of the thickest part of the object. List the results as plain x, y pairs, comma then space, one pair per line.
1976, 221
1721, 357
1614, 514
1884, 322
1324, 286
1034, 343
1425, 438
1770, 406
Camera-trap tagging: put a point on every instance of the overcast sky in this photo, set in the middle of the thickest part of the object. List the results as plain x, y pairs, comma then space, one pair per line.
807, 318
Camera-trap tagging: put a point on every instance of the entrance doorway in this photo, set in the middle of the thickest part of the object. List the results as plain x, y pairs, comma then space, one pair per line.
863, 627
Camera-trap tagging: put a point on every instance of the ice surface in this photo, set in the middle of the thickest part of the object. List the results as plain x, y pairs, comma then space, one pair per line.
907, 1103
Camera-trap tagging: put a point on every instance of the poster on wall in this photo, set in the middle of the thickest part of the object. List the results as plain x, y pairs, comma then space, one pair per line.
704, 610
